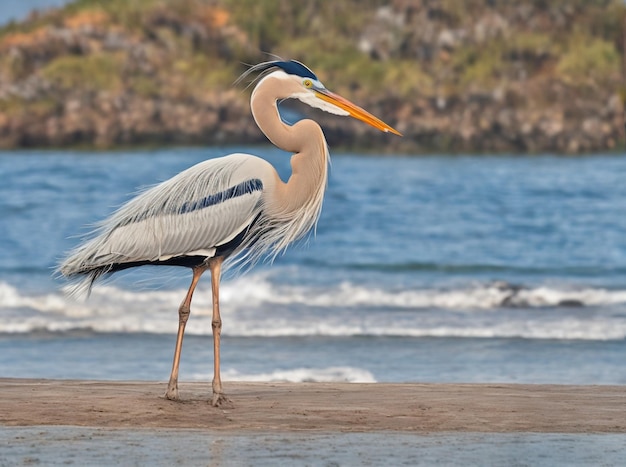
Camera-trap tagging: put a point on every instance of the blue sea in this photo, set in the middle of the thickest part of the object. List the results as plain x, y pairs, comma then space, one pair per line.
422, 269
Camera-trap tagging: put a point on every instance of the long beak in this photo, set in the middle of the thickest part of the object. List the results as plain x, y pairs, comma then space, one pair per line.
355, 111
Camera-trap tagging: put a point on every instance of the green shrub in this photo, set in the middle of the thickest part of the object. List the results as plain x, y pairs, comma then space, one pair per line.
589, 58
96, 72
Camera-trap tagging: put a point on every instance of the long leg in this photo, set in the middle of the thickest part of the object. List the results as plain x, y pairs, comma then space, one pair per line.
183, 316
215, 265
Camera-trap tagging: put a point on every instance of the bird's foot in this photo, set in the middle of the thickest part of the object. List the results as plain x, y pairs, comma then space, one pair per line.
219, 399
172, 392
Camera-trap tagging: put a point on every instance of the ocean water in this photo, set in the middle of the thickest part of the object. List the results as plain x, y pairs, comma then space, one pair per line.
97, 446
442, 269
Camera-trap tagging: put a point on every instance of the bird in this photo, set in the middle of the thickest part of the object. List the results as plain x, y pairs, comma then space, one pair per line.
226, 211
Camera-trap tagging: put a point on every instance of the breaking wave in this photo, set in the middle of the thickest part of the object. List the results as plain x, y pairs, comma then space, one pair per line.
254, 306
299, 375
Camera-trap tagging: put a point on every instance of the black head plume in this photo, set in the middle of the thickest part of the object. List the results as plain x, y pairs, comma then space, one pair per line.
292, 67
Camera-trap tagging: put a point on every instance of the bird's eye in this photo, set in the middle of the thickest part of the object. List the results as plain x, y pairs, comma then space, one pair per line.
307, 83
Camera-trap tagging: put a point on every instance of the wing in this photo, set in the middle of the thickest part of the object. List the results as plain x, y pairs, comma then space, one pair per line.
190, 214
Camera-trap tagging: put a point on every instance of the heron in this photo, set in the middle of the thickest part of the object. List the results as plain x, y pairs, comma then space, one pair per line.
231, 210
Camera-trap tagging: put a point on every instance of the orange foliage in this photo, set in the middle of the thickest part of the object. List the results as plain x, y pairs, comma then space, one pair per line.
24, 39
214, 17
86, 18
39, 35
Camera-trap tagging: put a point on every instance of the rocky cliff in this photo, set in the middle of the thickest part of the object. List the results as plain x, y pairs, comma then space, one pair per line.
453, 76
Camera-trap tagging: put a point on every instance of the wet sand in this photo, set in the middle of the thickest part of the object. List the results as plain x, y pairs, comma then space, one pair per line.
317, 407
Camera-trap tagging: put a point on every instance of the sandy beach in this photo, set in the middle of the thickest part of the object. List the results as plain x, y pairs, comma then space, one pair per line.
318, 407
65, 422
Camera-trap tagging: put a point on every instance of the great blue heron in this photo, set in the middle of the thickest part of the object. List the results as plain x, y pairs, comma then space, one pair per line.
235, 207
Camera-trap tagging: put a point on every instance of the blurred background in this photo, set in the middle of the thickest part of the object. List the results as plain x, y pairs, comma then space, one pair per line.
486, 245
453, 76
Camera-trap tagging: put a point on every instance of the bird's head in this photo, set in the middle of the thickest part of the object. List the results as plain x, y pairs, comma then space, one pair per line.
302, 84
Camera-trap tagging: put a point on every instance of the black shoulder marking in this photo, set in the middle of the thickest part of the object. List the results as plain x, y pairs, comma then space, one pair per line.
243, 188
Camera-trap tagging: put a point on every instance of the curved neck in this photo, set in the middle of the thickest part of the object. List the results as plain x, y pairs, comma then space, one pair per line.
305, 139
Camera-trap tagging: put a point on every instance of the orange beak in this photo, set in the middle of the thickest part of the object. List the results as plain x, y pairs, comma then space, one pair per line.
355, 111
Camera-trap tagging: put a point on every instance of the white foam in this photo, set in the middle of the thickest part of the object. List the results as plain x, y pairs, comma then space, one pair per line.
341, 374
255, 306
259, 290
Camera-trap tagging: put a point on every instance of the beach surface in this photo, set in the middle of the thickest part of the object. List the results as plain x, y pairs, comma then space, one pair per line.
318, 407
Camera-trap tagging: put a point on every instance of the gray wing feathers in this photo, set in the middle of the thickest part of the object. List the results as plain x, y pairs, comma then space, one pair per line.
164, 236
167, 220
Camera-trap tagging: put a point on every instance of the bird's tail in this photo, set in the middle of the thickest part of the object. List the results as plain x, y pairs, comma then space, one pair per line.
80, 287
82, 270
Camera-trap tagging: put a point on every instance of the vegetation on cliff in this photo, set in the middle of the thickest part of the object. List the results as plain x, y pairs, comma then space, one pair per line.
477, 75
